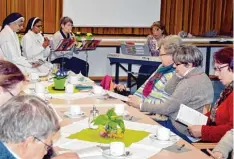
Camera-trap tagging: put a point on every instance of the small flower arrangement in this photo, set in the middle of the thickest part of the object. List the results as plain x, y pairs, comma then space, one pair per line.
110, 124
78, 35
60, 79
89, 36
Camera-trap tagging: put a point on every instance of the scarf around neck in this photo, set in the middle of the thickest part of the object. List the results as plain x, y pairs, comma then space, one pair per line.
156, 77
227, 90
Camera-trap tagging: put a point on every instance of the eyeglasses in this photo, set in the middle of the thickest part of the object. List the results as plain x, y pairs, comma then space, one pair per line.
164, 54
39, 26
48, 147
8, 91
219, 68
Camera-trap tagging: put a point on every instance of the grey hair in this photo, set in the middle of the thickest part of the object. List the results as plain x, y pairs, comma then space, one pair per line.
25, 116
65, 20
188, 54
171, 43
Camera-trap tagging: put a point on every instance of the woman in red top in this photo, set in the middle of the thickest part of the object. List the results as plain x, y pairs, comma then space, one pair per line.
220, 118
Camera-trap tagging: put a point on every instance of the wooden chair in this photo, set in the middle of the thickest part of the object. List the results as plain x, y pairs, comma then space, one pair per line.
203, 145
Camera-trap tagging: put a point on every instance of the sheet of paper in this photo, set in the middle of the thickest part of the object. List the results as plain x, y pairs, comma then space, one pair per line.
117, 96
189, 116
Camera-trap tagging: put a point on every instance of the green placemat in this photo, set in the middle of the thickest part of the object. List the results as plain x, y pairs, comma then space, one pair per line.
52, 91
130, 136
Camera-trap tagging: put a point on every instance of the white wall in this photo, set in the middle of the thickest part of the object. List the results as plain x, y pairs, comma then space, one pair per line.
112, 13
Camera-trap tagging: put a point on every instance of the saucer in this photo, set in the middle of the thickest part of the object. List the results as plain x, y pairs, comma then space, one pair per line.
171, 140
107, 154
68, 114
58, 89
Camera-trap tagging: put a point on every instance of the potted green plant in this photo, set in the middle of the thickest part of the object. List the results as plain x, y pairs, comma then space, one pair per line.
60, 80
110, 124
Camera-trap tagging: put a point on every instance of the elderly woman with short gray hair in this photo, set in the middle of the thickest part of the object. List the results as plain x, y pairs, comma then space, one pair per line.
189, 86
152, 91
27, 127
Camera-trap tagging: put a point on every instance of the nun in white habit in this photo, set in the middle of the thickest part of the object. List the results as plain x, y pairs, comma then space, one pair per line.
10, 46
35, 47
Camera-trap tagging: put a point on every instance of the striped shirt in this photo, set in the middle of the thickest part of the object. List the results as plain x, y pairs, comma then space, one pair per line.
157, 95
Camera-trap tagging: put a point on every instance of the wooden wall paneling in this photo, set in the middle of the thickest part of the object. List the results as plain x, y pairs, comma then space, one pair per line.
50, 18
191, 10
3, 10
212, 15
16, 6
178, 16
218, 13
202, 19
172, 17
227, 17
185, 17
163, 11
33, 9
196, 16
58, 13
208, 14
168, 15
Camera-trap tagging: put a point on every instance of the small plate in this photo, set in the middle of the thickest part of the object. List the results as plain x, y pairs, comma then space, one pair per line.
172, 139
107, 154
68, 114
58, 89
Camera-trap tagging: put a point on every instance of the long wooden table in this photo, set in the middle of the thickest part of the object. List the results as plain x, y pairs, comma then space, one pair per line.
86, 105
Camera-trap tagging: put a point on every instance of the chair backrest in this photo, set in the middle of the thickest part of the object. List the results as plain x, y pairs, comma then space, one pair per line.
206, 108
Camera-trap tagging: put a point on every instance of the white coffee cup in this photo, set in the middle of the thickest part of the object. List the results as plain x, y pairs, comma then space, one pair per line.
39, 88
69, 88
97, 89
163, 133
75, 109
73, 79
117, 148
34, 76
119, 109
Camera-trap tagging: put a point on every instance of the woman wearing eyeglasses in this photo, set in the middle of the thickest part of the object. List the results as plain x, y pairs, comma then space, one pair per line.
158, 33
27, 127
152, 91
35, 46
11, 84
189, 85
9, 42
220, 118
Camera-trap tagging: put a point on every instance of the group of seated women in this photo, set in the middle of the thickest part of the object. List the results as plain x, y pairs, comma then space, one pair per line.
35, 47
178, 80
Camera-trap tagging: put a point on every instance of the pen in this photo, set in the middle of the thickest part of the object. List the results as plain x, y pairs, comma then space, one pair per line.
212, 154
180, 148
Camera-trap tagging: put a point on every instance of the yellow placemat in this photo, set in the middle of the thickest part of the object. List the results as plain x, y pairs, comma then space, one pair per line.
52, 91
130, 136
